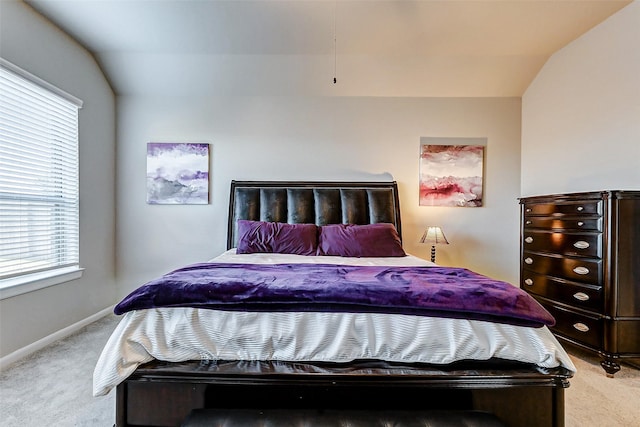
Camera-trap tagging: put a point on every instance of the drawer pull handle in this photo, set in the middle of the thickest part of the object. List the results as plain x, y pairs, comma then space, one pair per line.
528, 209
580, 223
528, 282
581, 296
580, 208
581, 327
528, 222
528, 261
581, 244
529, 239
581, 270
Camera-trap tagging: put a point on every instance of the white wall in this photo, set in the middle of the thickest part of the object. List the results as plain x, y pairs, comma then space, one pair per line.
38, 47
279, 138
314, 138
581, 115
580, 131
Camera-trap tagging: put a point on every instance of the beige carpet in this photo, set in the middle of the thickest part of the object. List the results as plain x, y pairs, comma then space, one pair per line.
595, 400
53, 388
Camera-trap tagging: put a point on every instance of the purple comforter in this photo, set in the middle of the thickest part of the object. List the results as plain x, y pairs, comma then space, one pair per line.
427, 291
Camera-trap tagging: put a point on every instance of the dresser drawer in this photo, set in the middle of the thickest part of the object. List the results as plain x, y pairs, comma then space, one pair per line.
546, 223
576, 244
587, 207
579, 327
587, 297
574, 269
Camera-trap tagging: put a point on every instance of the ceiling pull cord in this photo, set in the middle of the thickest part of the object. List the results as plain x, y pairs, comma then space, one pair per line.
335, 43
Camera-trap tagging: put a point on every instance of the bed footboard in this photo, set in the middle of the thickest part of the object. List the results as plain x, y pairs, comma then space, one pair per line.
163, 394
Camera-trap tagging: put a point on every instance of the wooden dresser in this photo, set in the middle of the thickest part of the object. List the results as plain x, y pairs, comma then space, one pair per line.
580, 258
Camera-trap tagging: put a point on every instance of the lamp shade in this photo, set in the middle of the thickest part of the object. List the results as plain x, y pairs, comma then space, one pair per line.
434, 236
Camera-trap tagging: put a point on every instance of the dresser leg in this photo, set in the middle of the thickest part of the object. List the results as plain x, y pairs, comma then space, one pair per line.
610, 367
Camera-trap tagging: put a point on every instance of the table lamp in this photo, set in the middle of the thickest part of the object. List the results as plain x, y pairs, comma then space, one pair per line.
434, 236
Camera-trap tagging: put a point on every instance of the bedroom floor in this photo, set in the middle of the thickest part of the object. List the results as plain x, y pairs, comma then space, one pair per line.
53, 387
595, 400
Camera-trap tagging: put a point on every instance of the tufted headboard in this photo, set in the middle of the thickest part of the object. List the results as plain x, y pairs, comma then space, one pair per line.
319, 203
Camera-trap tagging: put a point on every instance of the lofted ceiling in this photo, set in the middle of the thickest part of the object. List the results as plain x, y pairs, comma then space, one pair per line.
392, 48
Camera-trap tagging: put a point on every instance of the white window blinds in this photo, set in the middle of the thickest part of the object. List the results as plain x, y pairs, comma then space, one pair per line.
39, 224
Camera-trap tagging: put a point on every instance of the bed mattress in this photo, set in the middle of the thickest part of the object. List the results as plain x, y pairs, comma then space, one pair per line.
183, 333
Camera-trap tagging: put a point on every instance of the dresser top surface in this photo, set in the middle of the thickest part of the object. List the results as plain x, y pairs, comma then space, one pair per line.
593, 195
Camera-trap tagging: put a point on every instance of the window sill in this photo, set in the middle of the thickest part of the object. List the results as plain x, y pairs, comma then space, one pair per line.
32, 282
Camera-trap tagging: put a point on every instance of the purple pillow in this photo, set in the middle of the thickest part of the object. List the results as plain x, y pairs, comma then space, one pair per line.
372, 240
276, 237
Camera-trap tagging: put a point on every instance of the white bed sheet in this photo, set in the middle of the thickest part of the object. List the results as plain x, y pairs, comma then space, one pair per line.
180, 334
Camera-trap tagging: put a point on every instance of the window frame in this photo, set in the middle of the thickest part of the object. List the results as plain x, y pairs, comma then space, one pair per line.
29, 281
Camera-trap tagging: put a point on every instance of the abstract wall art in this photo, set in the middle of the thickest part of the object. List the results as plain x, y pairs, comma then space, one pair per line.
451, 175
177, 173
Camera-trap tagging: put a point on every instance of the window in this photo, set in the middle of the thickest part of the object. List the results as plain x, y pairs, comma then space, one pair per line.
39, 209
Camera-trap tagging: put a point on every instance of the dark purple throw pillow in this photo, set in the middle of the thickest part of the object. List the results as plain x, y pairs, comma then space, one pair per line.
350, 240
276, 237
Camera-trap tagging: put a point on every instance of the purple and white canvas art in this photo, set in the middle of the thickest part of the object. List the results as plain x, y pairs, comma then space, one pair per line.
177, 173
451, 175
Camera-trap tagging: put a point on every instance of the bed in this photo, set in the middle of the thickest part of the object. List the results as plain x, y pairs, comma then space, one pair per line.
174, 352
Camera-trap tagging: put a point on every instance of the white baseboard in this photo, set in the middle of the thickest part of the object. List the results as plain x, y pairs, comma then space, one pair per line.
23, 352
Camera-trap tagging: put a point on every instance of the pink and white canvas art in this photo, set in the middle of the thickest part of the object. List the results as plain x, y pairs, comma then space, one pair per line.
451, 175
177, 173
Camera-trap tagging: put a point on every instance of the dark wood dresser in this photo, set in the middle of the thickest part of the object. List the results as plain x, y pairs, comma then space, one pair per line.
580, 258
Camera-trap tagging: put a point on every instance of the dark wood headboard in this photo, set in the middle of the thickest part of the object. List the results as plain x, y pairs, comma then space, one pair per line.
309, 202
